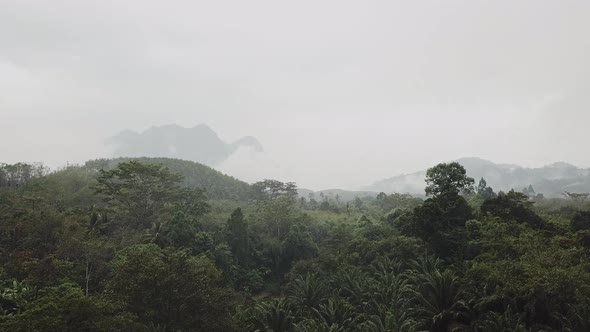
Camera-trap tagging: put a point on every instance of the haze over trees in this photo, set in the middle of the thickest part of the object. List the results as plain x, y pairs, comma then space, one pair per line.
551, 180
169, 245
215, 166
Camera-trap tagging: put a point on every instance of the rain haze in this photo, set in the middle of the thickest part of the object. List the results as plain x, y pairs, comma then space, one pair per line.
338, 93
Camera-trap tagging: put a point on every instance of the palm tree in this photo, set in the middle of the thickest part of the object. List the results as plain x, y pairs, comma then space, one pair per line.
390, 289
353, 284
502, 322
14, 296
335, 312
391, 294
272, 316
393, 319
425, 265
387, 265
308, 291
436, 296
578, 317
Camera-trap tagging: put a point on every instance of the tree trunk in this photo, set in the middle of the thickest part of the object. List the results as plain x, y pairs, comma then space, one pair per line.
87, 276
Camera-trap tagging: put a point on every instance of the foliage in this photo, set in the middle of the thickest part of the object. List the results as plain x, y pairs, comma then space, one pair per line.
447, 179
154, 285
125, 245
147, 194
513, 206
194, 175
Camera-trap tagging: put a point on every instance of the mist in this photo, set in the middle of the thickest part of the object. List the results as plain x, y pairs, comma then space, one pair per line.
339, 93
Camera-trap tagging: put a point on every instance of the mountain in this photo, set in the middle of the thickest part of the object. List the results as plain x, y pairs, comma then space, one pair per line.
551, 180
200, 144
217, 184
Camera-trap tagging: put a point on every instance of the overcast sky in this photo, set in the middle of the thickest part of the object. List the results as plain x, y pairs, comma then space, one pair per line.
339, 93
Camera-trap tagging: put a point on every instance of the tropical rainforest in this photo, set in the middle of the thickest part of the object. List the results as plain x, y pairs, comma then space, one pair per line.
157, 244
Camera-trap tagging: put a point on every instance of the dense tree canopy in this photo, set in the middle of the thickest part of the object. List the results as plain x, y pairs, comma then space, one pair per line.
132, 245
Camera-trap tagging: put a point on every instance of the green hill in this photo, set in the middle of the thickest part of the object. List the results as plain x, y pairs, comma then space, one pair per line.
218, 185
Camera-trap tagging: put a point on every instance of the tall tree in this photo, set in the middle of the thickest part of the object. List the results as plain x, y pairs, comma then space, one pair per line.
447, 179
143, 193
273, 189
481, 186
484, 191
237, 236
440, 221
276, 204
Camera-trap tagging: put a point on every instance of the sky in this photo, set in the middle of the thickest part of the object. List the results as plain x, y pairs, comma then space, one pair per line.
340, 93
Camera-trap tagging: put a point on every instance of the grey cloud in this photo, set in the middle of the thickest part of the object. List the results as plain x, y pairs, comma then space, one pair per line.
340, 93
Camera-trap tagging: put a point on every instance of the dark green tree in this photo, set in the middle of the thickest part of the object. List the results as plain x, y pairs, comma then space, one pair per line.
514, 206
440, 220
273, 189
237, 237
66, 308
171, 288
447, 179
581, 221
298, 244
145, 193
481, 186
358, 204
484, 191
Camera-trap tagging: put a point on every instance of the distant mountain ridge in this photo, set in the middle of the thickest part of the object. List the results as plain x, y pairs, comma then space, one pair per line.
199, 143
551, 180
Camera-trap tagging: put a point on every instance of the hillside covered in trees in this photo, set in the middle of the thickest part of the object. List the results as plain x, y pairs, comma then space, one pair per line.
169, 245
217, 185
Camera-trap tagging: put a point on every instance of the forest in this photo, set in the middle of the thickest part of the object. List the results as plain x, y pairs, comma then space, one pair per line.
157, 244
